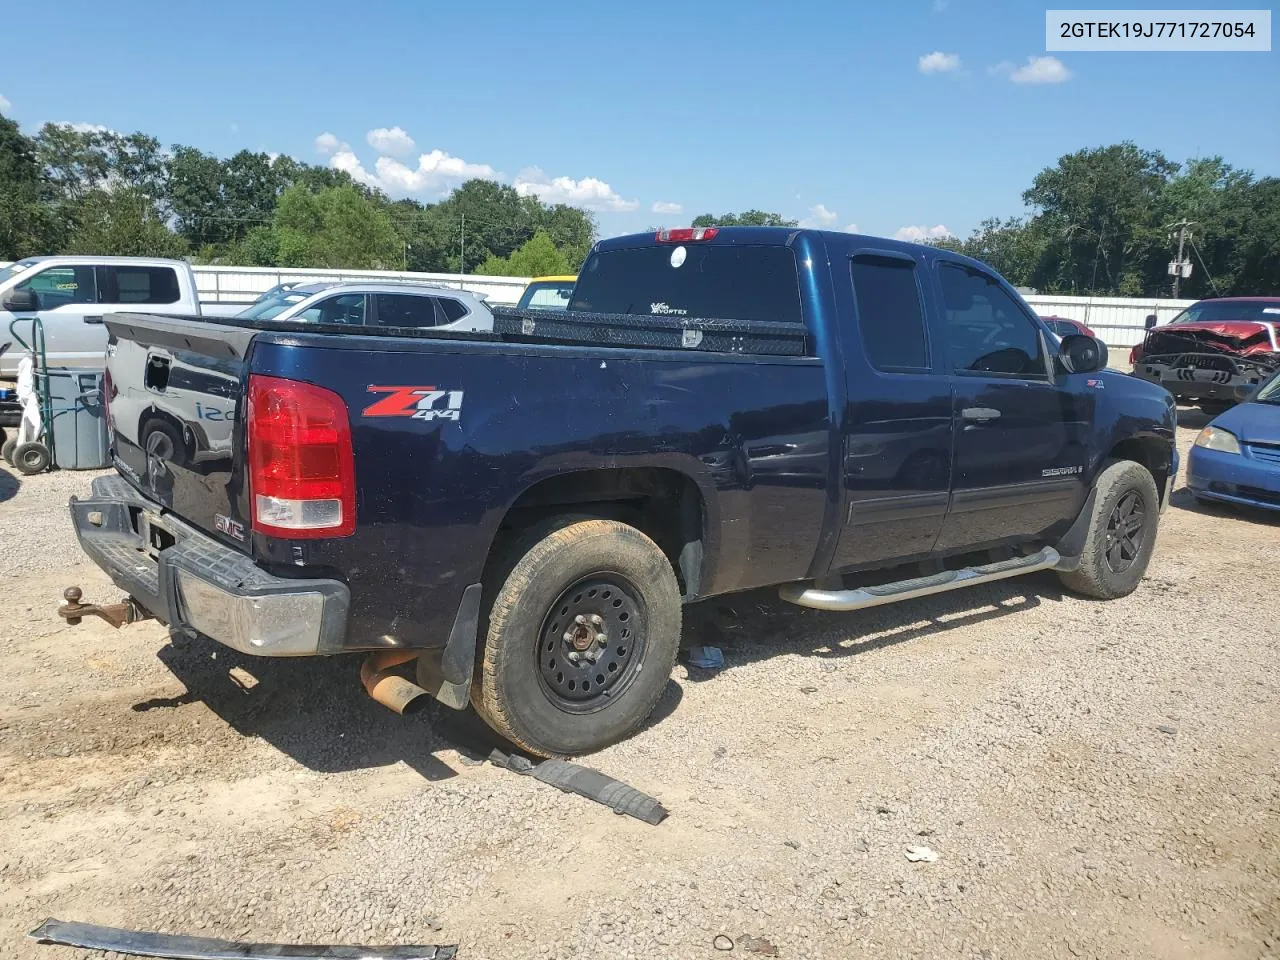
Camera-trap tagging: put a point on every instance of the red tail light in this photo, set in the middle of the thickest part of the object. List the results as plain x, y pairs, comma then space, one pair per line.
687, 234
302, 481
1135, 354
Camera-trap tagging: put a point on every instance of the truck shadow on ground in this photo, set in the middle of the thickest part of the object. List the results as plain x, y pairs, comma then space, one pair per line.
758, 624
9, 485
1192, 418
315, 711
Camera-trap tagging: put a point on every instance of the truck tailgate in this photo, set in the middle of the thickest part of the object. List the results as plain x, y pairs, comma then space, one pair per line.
174, 391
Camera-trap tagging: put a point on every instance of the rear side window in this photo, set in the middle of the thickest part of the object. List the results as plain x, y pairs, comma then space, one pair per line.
121, 284
890, 315
59, 286
452, 309
716, 281
405, 310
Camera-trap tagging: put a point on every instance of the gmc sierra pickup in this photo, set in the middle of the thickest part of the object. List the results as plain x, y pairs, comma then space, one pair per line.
523, 512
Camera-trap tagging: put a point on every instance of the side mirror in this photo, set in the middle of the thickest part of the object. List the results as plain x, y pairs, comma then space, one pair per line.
21, 301
1150, 321
1081, 354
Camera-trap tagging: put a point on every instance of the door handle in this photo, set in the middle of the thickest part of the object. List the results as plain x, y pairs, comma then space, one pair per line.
93, 319
979, 413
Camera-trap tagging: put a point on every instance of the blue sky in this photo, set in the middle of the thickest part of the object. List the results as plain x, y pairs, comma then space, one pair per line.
821, 111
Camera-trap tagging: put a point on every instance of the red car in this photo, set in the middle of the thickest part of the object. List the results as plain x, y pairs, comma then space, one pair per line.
1063, 326
1215, 353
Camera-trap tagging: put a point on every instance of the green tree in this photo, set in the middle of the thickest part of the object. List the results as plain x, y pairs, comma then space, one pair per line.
23, 220
748, 218
538, 257
121, 222
1102, 211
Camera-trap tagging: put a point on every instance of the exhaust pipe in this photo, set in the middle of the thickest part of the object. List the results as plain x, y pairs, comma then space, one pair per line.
390, 689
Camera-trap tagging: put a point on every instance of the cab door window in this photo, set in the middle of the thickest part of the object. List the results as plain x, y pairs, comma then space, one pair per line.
59, 286
347, 308
988, 333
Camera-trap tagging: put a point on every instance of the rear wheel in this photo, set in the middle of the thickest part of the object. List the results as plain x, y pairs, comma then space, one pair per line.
1214, 407
6, 451
1122, 533
582, 637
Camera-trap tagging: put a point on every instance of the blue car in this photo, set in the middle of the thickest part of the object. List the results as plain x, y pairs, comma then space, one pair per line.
1236, 458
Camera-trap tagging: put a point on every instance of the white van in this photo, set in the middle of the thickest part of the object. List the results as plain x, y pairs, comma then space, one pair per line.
72, 294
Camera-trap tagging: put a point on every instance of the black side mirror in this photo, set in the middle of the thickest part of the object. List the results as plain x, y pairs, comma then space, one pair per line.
1081, 354
1150, 321
22, 301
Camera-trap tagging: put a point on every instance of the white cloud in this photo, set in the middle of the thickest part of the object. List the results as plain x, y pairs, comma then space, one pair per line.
328, 144
920, 234
938, 62
671, 209
852, 228
820, 218
393, 142
589, 192
86, 127
1036, 70
433, 172
5, 105
350, 164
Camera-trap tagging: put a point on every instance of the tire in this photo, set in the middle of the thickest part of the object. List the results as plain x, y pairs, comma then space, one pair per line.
1211, 408
31, 457
1108, 568
6, 451
622, 587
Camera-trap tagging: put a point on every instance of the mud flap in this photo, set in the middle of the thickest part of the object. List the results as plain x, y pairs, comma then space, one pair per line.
592, 784
1071, 546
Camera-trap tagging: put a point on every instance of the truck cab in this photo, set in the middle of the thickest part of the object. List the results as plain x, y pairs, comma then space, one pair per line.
72, 294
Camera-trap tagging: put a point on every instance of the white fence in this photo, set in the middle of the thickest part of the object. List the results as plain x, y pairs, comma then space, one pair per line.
244, 284
1118, 321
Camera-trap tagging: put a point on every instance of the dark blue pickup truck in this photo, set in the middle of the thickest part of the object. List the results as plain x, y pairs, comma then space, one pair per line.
524, 512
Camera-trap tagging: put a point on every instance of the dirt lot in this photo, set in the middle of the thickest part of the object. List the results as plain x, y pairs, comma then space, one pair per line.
1097, 779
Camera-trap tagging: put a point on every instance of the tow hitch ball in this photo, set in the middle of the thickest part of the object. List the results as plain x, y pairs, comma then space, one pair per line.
116, 614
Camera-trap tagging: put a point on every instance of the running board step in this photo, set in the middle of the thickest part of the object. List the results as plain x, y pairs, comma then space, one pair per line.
918, 586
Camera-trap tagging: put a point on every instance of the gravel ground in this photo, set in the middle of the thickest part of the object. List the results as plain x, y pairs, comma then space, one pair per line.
1095, 779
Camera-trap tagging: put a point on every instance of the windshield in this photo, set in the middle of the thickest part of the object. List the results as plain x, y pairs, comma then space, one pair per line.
546, 295
269, 306
717, 281
1269, 392
22, 266
1211, 311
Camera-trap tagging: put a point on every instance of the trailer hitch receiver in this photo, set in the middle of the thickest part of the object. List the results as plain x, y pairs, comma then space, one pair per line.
116, 614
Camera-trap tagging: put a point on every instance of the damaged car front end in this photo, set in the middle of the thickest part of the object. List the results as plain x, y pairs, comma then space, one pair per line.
1215, 362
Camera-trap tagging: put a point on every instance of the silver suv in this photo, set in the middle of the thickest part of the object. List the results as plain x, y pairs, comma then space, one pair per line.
385, 304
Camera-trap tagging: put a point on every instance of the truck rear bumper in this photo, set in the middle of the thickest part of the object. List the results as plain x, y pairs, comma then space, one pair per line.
190, 581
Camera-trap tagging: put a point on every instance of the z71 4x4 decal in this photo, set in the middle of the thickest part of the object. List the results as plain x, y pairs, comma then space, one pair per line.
418, 403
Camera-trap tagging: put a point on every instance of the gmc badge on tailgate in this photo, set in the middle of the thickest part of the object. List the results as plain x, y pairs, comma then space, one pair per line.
232, 528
